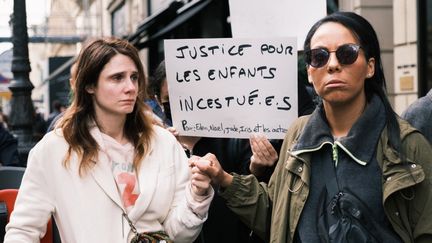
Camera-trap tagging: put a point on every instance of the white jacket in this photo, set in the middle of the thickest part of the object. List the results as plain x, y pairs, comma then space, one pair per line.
89, 208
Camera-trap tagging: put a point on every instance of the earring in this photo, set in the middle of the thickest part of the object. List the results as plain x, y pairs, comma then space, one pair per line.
368, 75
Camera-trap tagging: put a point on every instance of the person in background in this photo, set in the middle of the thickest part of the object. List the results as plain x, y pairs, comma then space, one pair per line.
58, 108
8, 148
158, 96
3, 119
352, 171
256, 155
107, 174
39, 125
73, 73
8, 144
419, 115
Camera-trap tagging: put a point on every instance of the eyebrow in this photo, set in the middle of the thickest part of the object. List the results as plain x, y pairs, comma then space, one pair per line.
121, 73
325, 47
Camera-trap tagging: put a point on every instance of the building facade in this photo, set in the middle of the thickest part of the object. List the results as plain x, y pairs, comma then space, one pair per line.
403, 28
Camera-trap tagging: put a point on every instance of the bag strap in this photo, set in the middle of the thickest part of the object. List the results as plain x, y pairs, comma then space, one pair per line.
152, 237
331, 183
329, 196
339, 199
132, 226
3, 220
377, 231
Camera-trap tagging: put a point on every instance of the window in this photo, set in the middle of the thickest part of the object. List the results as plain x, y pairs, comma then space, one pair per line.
424, 12
119, 21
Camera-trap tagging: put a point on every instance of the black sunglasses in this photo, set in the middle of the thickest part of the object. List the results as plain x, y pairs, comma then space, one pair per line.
346, 54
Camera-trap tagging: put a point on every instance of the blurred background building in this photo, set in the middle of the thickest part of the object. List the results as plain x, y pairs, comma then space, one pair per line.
404, 28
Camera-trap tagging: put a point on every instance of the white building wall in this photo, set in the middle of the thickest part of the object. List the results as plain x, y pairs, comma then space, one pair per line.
405, 41
381, 15
395, 22
59, 22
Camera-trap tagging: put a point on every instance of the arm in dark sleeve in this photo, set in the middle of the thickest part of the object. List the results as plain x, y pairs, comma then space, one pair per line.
8, 148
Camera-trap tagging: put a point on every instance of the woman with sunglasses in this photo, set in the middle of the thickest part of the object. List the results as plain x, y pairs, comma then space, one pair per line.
352, 171
106, 173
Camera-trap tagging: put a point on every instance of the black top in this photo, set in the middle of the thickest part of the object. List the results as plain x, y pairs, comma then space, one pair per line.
222, 224
357, 168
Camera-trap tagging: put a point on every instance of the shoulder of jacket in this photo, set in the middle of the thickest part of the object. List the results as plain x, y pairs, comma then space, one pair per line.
162, 135
299, 123
52, 139
405, 128
297, 127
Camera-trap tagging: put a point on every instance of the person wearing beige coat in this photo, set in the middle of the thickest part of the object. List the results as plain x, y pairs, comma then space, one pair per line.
106, 174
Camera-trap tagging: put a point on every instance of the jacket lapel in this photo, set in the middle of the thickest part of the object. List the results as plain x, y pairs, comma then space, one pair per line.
102, 172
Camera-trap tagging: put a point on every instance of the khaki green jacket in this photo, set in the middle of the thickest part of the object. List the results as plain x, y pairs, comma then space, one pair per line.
273, 210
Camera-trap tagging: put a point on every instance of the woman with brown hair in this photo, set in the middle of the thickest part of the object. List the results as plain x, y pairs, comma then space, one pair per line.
106, 173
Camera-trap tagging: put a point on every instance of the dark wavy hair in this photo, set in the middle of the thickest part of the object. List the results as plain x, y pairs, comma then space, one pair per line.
156, 81
367, 37
81, 114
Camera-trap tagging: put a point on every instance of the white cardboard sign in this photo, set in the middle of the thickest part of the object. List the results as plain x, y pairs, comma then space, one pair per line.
275, 18
232, 87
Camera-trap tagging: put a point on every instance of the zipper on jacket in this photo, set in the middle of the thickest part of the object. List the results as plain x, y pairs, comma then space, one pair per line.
335, 151
335, 154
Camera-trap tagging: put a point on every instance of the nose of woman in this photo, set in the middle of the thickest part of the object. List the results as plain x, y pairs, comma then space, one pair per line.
333, 64
130, 85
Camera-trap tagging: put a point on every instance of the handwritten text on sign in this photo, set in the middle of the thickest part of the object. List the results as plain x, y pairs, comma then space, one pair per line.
232, 87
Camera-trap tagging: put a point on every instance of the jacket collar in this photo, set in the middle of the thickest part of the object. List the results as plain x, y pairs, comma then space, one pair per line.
369, 126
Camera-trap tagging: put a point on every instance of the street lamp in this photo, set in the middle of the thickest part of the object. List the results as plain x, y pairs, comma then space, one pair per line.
22, 110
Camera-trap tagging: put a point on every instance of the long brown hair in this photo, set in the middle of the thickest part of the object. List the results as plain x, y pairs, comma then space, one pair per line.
81, 114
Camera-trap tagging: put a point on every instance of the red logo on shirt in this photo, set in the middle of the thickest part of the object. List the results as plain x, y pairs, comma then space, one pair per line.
128, 196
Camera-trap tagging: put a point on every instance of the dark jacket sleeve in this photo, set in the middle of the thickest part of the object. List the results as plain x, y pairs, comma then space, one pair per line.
249, 199
8, 148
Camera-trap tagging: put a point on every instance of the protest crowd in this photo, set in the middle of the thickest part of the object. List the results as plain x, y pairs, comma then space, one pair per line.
234, 141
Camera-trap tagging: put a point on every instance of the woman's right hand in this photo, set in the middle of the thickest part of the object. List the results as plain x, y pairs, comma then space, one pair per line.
210, 166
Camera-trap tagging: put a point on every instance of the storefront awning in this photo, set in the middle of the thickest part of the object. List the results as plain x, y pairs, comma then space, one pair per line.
155, 21
183, 14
